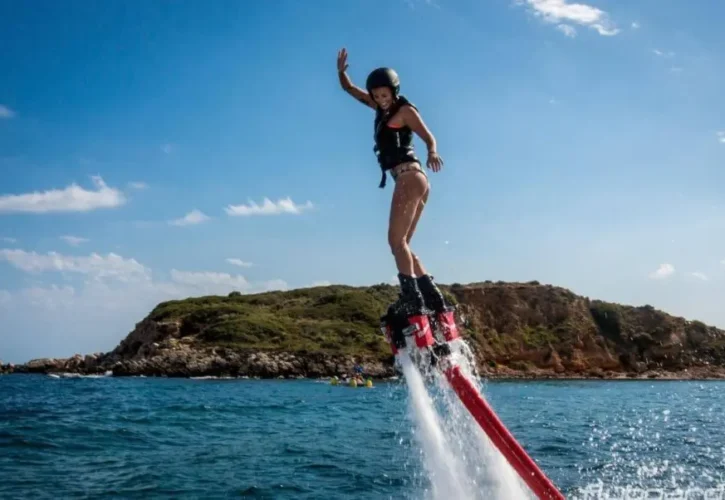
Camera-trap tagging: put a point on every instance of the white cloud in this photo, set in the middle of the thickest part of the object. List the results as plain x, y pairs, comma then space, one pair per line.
319, 283
561, 10
558, 11
604, 31
664, 271
93, 265
699, 275
268, 207
239, 262
167, 148
635, 25
721, 137
7, 239
660, 53
6, 112
99, 295
569, 31
128, 278
138, 185
271, 285
208, 282
192, 218
74, 241
208, 278
71, 199
58, 320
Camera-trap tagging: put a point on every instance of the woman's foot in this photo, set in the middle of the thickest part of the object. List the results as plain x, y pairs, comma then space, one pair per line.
432, 296
410, 301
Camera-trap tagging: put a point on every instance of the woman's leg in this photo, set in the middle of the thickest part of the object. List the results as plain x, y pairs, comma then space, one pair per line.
432, 295
417, 264
410, 189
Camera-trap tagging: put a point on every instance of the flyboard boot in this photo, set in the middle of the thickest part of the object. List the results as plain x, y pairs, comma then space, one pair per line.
407, 317
443, 322
442, 318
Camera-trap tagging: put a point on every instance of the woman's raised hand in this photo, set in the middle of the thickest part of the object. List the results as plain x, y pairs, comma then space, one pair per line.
342, 60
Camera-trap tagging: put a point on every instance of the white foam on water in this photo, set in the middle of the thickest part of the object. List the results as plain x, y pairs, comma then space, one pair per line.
445, 472
78, 375
460, 459
487, 470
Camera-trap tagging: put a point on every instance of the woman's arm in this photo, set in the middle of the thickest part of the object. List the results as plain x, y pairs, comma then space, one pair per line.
412, 119
347, 85
354, 91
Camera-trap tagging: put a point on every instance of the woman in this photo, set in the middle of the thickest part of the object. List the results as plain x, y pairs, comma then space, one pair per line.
395, 121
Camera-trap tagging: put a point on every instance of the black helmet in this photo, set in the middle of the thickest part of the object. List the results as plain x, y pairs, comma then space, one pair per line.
383, 77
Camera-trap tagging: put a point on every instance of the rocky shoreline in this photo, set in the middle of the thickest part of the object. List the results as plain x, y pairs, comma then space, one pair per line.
228, 364
212, 363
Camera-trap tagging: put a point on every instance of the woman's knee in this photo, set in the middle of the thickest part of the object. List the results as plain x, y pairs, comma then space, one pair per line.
398, 243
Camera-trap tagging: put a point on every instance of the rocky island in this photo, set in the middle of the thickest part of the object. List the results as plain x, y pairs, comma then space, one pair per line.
516, 330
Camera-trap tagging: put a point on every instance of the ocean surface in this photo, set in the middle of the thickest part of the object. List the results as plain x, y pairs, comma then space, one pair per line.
299, 439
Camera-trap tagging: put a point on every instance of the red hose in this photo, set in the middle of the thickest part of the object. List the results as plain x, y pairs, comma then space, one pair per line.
501, 437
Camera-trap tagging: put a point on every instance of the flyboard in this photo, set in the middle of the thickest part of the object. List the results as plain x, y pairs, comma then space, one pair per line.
426, 330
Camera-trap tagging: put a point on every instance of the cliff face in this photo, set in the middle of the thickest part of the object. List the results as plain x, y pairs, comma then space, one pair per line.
515, 330
542, 330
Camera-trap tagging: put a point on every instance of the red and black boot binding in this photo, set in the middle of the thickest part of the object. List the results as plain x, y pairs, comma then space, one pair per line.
408, 316
443, 316
421, 311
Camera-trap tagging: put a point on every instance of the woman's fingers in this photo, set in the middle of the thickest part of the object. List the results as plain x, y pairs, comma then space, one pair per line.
341, 59
435, 163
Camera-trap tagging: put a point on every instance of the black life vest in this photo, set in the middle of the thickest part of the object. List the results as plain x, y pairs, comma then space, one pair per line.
393, 146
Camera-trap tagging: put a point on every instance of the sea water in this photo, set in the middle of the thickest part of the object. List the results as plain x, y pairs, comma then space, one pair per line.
301, 439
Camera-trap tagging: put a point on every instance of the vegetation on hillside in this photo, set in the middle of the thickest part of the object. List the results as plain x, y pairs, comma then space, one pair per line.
333, 319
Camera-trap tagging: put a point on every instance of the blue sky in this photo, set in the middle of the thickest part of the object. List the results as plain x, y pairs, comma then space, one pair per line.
161, 150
